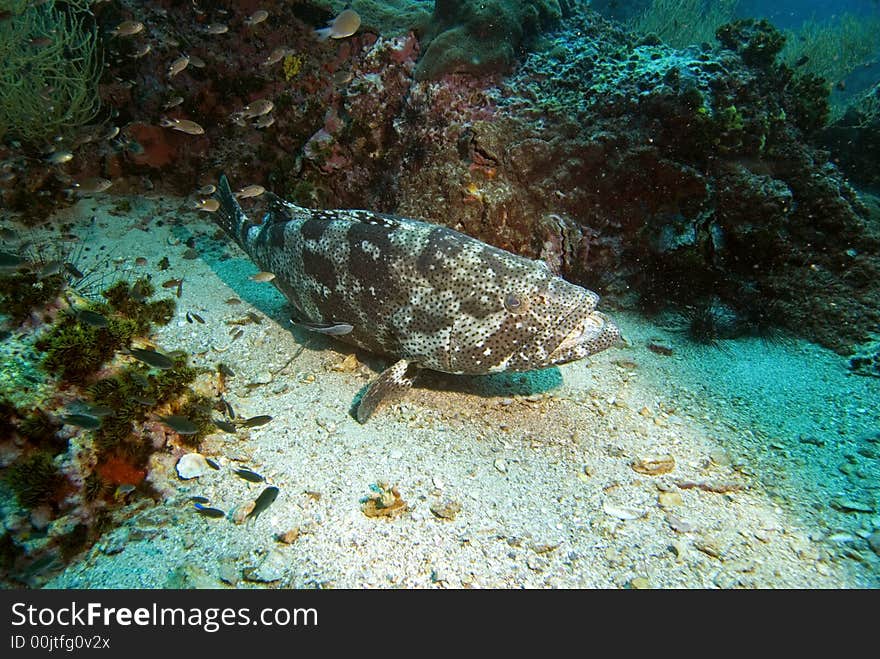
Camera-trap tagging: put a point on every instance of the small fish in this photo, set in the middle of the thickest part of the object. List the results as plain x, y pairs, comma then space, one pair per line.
92, 318
249, 475
207, 205
225, 426
803, 59
344, 25
275, 56
82, 420
59, 158
9, 262
196, 61
263, 122
256, 421
172, 283
193, 316
50, 269
343, 76
40, 565
216, 28
7, 234
127, 28
214, 513
140, 261
258, 108
112, 132
91, 186
152, 358
123, 491
139, 291
229, 373
199, 499
206, 190
262, 276
250, 191
212, 464
144, 400
178, 65
99, 411
183, 125
141, 51
257, 17
180, 424
263, 501
73, 271
174, 101
237, 334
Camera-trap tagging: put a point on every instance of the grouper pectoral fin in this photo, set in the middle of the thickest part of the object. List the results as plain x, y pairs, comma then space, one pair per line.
392, 383
330, 329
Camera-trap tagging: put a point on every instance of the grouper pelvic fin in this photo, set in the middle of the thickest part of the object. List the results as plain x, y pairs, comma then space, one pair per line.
392, 383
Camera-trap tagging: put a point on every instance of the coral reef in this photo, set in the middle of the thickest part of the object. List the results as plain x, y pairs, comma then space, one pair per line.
65, 449
390, 18
756, 41
52, 64
833, 49
481, 37
678, 23
76, 349
658, 176
34, 479
854, 139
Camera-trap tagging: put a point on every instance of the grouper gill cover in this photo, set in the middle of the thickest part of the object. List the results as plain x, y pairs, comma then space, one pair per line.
425, 295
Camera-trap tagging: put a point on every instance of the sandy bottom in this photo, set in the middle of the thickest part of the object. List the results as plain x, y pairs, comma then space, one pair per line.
521, 481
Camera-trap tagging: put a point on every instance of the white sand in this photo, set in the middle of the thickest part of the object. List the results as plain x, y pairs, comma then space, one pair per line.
540, 465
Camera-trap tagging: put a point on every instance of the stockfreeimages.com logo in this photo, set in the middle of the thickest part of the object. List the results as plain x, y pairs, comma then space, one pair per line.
96, 615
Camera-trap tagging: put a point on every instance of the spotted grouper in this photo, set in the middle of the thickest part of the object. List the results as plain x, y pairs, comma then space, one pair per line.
422, 294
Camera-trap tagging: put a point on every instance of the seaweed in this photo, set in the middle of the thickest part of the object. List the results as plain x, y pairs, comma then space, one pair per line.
33, 478
72, 543
131, 302
76, 350
171, 383
21, 293
7, 412
198, 410
41, 429
94, 487
9, 552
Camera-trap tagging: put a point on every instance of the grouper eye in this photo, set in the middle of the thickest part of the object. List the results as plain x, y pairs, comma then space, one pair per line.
516, 303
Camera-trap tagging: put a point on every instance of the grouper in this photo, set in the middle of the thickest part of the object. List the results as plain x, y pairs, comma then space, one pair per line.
421, 294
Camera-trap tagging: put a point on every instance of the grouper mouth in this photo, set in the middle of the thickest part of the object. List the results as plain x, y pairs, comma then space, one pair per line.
588, 332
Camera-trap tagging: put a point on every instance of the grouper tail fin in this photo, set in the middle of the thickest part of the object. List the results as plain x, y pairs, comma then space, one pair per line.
229, 216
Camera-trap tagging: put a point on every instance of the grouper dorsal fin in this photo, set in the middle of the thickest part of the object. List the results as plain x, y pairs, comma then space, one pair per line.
278, 209
391, 384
